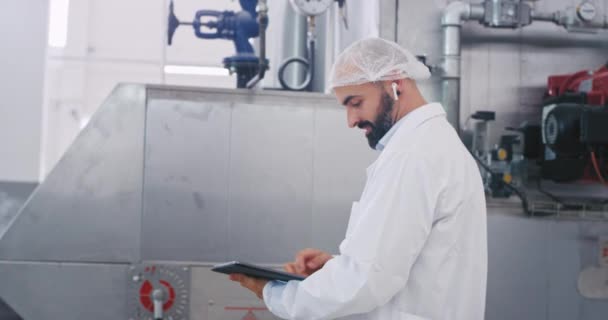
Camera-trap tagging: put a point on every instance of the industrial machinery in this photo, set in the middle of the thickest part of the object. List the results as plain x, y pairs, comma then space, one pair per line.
239, 27
575, 127
165, 182
504, 166
558, 122
569, 145
242, 26
512, 14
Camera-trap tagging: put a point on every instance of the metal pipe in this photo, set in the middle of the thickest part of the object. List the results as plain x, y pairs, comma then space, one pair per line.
478, 11
566, 20
453, 16
540, 16
451, 22
308, 61
263, 21
295, 44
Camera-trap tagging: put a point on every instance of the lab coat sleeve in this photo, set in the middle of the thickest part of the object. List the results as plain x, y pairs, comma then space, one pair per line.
392, 222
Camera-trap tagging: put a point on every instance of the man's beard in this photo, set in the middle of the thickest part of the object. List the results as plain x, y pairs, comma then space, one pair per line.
382, 124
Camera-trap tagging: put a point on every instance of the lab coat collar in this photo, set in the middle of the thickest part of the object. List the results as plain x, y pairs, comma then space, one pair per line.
404, 127
411, 121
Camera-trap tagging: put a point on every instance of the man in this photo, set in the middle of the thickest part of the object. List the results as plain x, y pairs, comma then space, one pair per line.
415, 246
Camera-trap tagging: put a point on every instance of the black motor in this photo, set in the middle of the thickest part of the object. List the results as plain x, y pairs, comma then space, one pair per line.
570, 132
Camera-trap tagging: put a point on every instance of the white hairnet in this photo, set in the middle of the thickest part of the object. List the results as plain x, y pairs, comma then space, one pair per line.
375, 59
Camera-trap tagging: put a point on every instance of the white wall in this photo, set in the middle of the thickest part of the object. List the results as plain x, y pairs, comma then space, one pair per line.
23, 25
113, 41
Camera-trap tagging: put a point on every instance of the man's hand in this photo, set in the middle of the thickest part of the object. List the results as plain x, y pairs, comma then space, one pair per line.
253, 284
308, 261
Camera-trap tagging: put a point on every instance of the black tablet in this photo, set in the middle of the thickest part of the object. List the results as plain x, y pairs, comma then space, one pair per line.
255, 271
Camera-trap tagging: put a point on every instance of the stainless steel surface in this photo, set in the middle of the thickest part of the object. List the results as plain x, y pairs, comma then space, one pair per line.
216, 298
186, 180
534, 264
254, 170
89, 207
42, 291
270, 182
12, 196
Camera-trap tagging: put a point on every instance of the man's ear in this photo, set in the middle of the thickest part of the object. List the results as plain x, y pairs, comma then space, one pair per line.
396, 87
396, 92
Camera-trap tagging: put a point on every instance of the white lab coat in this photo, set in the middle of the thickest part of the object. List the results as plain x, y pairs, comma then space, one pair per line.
416, 242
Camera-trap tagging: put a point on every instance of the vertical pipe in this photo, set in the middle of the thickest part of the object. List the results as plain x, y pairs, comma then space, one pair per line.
451, 23
318, 81
450, 82
294, 38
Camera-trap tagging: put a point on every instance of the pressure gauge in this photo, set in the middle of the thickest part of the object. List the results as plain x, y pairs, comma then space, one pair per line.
586, 11
311, 7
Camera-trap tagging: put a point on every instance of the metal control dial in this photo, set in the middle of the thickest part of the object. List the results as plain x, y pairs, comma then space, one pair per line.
586, 11
311, 7
155, 289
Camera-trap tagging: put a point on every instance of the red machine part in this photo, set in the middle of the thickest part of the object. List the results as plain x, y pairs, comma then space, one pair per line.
145, 295
598, 95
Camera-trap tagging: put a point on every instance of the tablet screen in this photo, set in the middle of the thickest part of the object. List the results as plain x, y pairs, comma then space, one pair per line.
255, 271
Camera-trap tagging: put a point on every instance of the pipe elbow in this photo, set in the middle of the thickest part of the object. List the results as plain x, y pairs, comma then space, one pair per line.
455, 13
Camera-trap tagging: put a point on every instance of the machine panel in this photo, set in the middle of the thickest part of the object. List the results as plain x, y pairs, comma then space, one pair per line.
89, 206
270, 182
186, 181
42, 291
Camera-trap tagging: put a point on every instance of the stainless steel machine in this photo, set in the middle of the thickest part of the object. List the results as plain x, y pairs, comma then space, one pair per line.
163, 183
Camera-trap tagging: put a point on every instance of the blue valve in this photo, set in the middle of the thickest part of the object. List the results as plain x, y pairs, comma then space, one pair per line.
229, 25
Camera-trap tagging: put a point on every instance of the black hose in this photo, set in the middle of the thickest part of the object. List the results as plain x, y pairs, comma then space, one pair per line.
308, 61
540, 188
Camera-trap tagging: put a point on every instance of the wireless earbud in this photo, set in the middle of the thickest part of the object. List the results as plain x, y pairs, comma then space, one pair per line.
395, 93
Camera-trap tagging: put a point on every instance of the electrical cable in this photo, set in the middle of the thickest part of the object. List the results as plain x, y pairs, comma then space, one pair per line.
519, 193
597, 169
